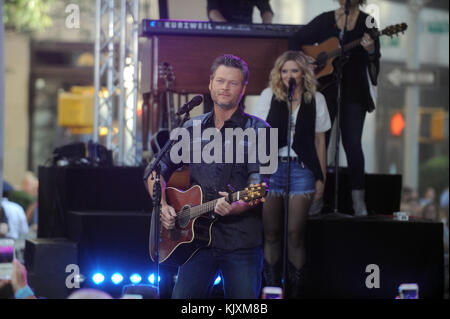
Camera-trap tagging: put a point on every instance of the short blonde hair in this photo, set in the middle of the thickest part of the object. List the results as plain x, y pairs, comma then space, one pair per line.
231, 61
309, 82
30, 183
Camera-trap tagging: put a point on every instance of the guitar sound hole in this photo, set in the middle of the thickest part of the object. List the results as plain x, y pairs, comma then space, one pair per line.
183, 217
321, 61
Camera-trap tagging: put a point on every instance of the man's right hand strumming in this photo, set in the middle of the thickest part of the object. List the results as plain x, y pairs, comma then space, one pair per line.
168, 215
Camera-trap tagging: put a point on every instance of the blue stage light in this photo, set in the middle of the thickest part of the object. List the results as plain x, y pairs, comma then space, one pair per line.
98, 278
151, 278
117, 278
153, 23
135, 278
218, 280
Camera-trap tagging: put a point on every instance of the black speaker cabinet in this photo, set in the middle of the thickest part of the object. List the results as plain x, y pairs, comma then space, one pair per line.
382, 193
110, 242
369, 258
112, 189
49, 263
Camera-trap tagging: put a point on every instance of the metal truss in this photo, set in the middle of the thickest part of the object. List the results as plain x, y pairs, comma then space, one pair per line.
116, 78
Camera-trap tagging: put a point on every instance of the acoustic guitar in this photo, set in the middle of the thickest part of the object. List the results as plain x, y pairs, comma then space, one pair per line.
194, 222
326, 52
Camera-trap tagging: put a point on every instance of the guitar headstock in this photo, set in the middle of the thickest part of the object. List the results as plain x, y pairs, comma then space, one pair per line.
254, 194
165, 72
395, 29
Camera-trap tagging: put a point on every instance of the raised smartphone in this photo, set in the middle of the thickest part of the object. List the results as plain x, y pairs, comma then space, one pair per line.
272, 293
6, 258
408, 291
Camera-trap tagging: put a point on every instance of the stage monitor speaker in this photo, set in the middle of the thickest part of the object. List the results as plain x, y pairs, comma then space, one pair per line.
46, 261
112, 189
369, 258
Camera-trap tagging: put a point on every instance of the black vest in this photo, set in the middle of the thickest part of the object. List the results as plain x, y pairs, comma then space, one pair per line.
305, 131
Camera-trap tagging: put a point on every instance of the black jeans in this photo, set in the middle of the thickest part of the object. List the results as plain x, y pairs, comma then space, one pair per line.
351, 125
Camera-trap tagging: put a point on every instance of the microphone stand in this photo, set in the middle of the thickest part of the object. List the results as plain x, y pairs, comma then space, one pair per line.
286, 198
340, 65
155, 232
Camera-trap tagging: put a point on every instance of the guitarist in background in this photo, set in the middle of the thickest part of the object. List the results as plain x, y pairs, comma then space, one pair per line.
238, 11
359, 73
236, 245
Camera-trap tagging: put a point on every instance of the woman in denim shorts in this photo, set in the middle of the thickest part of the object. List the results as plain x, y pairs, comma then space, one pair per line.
309, 122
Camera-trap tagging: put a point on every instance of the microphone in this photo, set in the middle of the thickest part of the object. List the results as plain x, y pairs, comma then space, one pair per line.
188, 106
291, 88
347, 6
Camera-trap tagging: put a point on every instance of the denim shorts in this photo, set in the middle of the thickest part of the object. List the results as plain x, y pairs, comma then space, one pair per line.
302, 180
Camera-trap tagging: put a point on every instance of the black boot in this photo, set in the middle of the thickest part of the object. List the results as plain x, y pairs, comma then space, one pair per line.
296, 283
272, 274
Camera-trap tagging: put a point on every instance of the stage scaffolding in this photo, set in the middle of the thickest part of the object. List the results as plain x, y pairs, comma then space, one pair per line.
116, 78
2, 95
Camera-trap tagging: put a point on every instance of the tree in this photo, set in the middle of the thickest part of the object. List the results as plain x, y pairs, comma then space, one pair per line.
27, 15
434, 173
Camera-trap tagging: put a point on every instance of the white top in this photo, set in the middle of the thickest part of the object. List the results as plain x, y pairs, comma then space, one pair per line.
17, 220
323, 122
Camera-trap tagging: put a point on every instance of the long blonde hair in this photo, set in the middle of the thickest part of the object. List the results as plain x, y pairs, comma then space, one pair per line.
309, 82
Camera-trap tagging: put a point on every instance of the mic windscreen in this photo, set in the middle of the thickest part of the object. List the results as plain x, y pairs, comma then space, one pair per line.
196, 100
291, 82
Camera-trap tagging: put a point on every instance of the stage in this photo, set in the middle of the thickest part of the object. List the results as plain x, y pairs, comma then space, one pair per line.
347, 258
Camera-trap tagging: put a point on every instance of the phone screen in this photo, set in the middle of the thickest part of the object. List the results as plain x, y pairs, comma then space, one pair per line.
272, 296
409, 291
132, 296
409, 294
6, 258
272, 293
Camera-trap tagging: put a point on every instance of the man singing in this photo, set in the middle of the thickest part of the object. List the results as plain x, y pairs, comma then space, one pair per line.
235, 251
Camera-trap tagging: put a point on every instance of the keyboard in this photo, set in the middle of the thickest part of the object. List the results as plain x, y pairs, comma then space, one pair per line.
206, 28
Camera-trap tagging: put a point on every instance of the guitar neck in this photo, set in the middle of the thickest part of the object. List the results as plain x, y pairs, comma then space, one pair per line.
207, 207
347, 47
171, 110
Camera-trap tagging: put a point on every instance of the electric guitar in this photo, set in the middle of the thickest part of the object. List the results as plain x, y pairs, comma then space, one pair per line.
326, 52
194, 222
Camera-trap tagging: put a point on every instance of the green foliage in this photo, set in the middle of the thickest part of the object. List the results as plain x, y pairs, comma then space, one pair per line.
434, 173
27, 15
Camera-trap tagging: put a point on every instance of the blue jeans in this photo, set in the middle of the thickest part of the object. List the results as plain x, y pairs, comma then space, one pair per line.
240, 269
